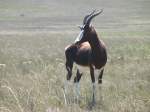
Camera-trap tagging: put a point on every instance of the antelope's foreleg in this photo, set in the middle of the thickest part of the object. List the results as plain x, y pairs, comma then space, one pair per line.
69, 66
78, 76
76, 81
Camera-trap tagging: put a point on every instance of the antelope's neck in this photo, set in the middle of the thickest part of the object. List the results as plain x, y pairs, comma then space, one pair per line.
97, 46
99, 55
95, 42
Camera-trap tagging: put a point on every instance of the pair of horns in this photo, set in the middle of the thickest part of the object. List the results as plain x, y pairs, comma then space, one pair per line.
87, 19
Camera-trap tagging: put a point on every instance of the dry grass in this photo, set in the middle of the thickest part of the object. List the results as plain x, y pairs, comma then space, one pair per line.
34, 74
33, 35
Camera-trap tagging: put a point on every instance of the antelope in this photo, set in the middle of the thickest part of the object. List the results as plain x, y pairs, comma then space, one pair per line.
88, 50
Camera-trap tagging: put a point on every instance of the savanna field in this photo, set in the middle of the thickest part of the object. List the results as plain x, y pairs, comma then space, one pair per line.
33, 37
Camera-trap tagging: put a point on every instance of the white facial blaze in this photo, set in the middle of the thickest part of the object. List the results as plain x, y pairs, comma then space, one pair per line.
79, 37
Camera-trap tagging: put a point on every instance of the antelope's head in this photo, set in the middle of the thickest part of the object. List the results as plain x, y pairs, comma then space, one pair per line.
86, 29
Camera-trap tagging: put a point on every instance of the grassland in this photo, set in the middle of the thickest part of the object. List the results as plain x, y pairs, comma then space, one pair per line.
33, 36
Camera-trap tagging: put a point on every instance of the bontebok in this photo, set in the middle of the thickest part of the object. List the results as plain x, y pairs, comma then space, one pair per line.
88, 50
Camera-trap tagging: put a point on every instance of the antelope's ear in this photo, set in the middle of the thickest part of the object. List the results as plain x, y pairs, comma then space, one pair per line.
81, 27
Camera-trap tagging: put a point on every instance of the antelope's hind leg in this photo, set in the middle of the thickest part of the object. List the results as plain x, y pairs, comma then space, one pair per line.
93, 84
100, 76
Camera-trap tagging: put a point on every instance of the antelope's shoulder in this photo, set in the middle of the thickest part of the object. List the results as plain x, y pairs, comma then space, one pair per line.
85, 45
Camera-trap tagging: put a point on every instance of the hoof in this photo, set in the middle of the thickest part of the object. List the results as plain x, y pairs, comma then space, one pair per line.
100, 81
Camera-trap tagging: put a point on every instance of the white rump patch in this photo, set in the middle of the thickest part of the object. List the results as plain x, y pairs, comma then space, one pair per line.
79, 37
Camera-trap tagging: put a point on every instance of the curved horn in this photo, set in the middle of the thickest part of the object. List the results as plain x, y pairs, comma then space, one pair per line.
86, 17
92, 16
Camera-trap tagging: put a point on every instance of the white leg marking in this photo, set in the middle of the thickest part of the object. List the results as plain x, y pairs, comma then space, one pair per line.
93, 91
77, 88
66, 86
65, 91
77, 92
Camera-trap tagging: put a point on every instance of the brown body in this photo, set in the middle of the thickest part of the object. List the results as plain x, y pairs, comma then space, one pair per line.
91, 52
